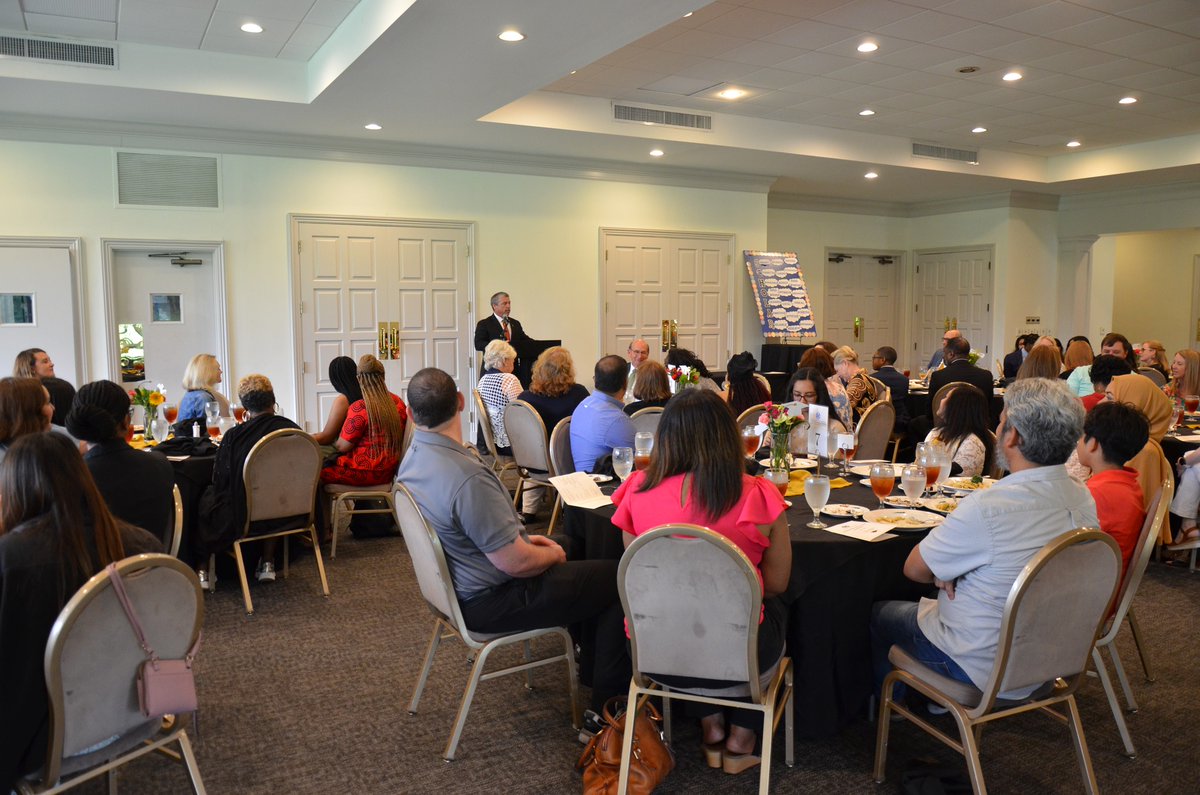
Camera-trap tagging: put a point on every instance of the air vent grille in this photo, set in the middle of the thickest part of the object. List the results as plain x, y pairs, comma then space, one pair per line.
671, 118
940, 152
158, 180
65, 52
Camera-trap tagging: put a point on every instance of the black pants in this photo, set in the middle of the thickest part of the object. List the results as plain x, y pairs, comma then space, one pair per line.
577, 592
771, 634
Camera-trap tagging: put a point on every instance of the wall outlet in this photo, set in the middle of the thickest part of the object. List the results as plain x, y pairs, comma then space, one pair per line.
1033, 320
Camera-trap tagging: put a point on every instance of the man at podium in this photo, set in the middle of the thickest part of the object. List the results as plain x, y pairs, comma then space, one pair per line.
498, 325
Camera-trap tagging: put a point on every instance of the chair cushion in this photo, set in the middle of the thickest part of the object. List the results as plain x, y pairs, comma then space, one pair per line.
741, 689
963, 692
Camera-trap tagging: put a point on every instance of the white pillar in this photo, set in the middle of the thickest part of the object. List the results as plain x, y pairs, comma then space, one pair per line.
1074, 285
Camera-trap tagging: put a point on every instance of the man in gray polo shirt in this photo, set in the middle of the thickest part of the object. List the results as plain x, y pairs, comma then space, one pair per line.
506, 581
976, 554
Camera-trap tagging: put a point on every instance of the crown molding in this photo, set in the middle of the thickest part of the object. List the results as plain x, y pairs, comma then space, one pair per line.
1021, 200
1172, 192
829, 204
219, 141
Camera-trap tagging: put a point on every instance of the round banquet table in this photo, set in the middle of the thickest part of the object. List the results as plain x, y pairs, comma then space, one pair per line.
835, 580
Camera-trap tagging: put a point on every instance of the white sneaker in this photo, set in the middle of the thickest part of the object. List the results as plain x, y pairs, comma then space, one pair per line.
206, 583
265, 571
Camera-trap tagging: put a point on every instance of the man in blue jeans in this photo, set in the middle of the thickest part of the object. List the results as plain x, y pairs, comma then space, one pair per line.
976, 554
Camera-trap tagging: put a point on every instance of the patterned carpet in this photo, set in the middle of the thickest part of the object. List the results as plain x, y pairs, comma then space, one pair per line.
309, 696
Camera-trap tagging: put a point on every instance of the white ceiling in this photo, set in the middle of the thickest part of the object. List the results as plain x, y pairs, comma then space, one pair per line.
447, 92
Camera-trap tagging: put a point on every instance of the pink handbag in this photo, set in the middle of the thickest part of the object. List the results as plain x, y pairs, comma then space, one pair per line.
165, 687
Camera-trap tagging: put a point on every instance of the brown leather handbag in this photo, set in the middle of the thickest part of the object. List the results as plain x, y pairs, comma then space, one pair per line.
601, 760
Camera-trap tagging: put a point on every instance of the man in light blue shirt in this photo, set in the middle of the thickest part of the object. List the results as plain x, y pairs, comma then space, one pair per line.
976, 554
600, 423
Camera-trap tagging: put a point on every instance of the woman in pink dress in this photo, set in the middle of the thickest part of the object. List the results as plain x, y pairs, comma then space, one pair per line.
696, 476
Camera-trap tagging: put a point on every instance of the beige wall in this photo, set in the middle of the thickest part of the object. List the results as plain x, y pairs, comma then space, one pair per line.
1152, 286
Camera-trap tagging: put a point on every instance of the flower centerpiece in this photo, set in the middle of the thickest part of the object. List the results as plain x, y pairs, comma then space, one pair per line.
682, 376
780, 423
149, 400
973, 356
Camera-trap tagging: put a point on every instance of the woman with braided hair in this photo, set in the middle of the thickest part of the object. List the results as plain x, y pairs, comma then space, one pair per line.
369, 444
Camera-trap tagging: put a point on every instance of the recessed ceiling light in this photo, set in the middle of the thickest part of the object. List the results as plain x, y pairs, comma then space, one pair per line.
1127, 100
866, 112
688, 14
252, 27
731, 93
978, 129
1073, 144
656, 153
1013, 76
372, 126
871, 175
573, 71
511, 35
868, 46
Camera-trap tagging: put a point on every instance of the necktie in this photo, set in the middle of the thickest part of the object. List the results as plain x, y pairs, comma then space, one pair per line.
507, 332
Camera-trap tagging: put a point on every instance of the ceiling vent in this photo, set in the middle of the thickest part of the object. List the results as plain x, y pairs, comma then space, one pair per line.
103, 56
669, 118
939, 152
160, 180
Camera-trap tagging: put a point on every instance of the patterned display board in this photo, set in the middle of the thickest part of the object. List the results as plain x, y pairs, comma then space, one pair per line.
780, 294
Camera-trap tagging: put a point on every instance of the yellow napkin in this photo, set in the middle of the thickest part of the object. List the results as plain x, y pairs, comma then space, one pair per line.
796, 482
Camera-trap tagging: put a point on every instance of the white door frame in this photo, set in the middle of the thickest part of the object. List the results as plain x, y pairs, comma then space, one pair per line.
727, 238
990, 248
214, 248
74, 248
294, 286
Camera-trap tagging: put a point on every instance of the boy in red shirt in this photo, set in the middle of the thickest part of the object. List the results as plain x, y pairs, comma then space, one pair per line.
1113, 433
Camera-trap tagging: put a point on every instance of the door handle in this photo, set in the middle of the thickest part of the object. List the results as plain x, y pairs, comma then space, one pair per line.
858, 327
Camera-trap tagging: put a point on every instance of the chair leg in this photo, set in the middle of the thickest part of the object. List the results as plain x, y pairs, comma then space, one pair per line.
1137, 641
189, 764
1081, 749
666, 712
554, 514
517, 493
1130, 701
335, 511
970, 743
768, 738
425, 668
882, 724
241, 564
572, 679
527, 647
286, 556
627, 743
789, 722
465, 706
111, 779
1113, 705
312, 529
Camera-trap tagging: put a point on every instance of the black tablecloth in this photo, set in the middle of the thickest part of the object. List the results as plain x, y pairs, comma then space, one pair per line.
192, 475
834, 582
780, 358
918, 406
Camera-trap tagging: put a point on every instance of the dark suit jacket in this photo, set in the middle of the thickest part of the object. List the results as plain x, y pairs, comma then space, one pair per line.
136, 485
961, 370
1012, 363
894, 380
490, 329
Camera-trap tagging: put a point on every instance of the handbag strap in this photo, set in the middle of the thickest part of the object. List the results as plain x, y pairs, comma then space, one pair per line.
118, 584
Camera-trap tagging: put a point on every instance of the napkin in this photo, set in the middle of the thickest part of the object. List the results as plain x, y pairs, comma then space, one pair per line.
796, 483
863, 531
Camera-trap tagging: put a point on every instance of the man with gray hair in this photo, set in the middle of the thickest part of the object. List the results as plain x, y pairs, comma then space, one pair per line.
976, 554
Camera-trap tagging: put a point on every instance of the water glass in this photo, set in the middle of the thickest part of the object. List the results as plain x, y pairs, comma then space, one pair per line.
816, 494
212, 410
160, 429
623, 462
643, 443
912, 480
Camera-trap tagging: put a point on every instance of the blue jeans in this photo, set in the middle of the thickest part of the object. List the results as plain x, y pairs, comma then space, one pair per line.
895, 624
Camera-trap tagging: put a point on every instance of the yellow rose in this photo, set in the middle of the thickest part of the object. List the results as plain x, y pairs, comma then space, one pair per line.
156, 398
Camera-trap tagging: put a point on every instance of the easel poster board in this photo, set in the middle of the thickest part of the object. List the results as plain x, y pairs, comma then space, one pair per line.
780, 294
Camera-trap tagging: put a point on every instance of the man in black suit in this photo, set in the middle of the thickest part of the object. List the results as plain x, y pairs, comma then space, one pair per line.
1014, 360
959, 368
498, 325
884, 361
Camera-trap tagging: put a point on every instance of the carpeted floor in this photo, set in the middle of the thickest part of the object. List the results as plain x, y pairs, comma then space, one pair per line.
310, 696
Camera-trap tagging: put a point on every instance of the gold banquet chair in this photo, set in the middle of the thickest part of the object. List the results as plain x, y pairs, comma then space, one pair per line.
647, 419
433, 577
177, 527
500, 463
560, 447
1123, 612
1051, 621
875, 430
281, 475
344, 498
693, 601
91, 664
531, 450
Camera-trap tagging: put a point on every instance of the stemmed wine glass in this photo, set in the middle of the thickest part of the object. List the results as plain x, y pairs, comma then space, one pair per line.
643, 444
751, 440
816, 494
212, 413
883, 480
912, 481
848, 444
622, 458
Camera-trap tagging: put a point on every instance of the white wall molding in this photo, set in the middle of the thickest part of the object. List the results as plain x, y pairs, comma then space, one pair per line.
1176, 192
1022, 200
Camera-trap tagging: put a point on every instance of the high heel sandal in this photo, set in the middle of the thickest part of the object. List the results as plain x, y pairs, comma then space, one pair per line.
739, 763
714, 754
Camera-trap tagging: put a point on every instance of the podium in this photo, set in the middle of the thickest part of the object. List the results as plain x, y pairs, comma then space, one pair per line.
527, 352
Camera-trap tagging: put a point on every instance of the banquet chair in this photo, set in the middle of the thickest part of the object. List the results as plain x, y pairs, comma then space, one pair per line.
1052, 618
1154, 375
1123, 611
943, 390
560, 447
995, 471
500, 463
647, 419
693, 601
344, 504
875, 429
750, 416
762, 379
91, 664
281, 475
433, 577
177, 526
531, 450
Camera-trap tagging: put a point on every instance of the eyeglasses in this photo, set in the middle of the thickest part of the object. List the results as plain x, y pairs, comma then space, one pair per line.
804, 396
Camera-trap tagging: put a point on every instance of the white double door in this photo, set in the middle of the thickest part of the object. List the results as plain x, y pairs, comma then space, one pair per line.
861, 300
354, 275
682, 279
40, 304
954, 290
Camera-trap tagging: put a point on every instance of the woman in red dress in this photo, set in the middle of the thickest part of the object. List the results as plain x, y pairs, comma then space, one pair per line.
369, 444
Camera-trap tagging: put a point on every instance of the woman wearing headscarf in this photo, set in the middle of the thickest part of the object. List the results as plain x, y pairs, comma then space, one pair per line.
1150, 464
372, 433
343, 376
743, 389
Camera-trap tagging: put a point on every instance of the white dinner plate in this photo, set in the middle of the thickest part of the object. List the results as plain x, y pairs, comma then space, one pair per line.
900, 501
864, 470
904, 520
803, 463
940, 504
602, 478
966, 485
843, 509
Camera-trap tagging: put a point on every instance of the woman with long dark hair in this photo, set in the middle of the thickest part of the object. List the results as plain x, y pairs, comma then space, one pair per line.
372, 433
343, 376
24, 408
809, 388
55, 533
743, 389
961, 426
682, 357
136, 485
821, 360
696, 476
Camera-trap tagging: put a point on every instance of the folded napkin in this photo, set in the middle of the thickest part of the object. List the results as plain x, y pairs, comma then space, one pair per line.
796, 482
